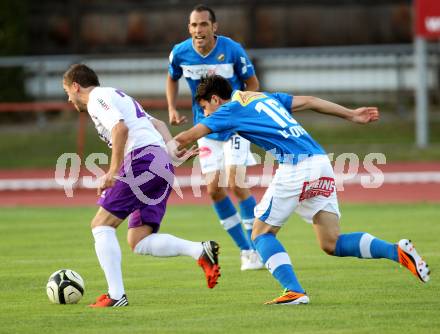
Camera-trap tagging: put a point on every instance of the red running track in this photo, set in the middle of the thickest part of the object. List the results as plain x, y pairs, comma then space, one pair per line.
387, 193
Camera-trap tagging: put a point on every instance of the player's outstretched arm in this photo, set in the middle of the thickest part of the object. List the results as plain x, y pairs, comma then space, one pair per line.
162, 128
172, 91
190, 136
361, 115
365, 115
178, 156
176, 146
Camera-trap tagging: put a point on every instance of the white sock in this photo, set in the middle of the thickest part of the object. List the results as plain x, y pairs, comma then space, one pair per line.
248, 223
109, 256
164, 245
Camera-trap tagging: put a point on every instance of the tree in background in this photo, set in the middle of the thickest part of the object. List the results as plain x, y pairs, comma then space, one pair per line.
13, 41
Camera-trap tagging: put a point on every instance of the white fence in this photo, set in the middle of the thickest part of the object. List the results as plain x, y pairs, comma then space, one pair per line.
372, 72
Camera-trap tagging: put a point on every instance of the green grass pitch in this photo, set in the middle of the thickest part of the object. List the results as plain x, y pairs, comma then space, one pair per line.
169, 295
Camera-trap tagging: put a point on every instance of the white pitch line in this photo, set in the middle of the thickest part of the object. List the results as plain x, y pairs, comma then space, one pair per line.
197, 181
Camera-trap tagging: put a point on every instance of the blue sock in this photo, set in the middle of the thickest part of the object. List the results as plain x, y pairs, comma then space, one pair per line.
277, 261
366, 246
247, 216
231, 222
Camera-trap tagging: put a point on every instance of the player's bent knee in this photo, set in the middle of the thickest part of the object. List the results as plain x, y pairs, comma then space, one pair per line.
329, 250
329, 246
262, 228
240, 193
105, 218
255, 235
217, 194
137, 234
132, 244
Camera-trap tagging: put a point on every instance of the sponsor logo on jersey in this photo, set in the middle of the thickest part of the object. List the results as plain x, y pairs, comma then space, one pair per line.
196, 72
221, 57
244, 98
204, 152
103, 104
324, 186
103, 133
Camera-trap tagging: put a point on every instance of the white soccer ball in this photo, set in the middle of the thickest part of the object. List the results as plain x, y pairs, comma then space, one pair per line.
65, 286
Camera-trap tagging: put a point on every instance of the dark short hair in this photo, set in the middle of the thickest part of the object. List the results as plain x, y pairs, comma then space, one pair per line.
213, 85
204, 8
81, 74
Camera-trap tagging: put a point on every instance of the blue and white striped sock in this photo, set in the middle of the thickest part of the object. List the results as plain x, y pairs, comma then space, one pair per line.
277, 261
247, 216
365, 246
231, 222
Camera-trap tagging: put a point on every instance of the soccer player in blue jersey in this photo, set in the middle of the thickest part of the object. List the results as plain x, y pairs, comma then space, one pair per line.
207, 53
303, 183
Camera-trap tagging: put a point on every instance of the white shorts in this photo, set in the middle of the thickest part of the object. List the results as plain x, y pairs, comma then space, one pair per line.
215, 155
305, 188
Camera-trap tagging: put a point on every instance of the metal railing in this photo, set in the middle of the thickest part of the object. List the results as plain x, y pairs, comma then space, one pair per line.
378, 73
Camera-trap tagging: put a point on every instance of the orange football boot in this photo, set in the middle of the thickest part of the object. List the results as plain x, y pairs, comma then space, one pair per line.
209, 262
409, 258
289, 298
105, 301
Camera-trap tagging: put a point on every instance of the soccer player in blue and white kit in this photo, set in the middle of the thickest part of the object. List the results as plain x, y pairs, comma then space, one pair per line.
303, 183
140, 178
202, 54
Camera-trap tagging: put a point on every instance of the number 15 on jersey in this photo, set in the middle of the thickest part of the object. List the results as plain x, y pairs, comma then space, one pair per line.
282, 117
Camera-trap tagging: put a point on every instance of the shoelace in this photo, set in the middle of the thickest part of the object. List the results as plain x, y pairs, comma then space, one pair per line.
285, 292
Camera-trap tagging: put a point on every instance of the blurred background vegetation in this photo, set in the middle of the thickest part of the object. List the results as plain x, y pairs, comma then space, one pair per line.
24, 147
13, 41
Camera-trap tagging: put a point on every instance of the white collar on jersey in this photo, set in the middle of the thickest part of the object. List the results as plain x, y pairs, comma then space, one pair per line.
215, 45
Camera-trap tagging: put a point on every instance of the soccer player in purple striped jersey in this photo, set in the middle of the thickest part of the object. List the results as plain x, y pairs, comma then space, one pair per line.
139, 181
202, 54
303, 183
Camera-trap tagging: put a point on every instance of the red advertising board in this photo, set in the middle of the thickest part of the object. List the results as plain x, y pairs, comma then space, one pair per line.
427, 18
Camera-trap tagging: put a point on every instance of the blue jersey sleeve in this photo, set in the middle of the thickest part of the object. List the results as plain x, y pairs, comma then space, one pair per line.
242, 66
285, 99
219, 121
174, 70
